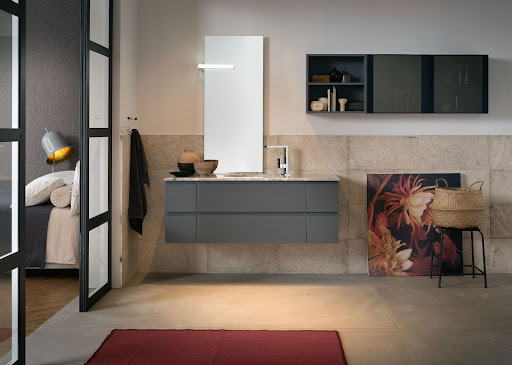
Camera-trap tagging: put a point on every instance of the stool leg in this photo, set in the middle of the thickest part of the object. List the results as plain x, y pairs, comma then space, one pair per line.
432, 253
472, 255
483, 256
440, 261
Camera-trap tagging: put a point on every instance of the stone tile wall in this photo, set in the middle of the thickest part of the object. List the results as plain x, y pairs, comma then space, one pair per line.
129, 252
486, 158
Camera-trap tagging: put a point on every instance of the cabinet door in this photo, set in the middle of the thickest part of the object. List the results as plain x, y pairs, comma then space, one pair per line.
458, 84
397, 84
323, 197
229, 197
180, 228
251, 228
323, 228
180, 197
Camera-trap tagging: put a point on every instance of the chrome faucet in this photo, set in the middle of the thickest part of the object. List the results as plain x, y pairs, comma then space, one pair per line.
286, 163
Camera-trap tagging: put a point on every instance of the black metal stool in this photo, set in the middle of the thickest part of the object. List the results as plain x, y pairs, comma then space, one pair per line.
473, 267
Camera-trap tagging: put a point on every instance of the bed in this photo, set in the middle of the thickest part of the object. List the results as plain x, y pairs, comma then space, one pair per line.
52, 234
52, 237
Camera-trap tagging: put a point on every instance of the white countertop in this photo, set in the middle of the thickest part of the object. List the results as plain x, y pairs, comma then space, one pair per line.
254, 177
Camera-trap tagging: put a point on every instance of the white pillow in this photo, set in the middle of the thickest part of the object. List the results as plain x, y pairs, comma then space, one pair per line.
66, 175
75, 192
39, 190
61, 197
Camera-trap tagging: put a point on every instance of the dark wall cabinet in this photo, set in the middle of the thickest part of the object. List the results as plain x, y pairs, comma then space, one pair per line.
405, 83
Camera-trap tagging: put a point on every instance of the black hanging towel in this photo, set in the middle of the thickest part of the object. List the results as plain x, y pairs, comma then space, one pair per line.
139, 175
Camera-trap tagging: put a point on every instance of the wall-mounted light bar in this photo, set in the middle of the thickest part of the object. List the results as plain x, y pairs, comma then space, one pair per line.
206, 66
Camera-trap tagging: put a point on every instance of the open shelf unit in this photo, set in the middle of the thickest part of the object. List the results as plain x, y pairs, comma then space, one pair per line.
403, 83
355, 90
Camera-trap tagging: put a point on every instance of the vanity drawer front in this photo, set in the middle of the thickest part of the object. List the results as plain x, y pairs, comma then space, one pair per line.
180, 197
180, 228
265, 197
323, 197
323, 228
251, 228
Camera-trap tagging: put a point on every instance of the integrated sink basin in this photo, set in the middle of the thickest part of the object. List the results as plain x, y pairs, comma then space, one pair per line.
243, 176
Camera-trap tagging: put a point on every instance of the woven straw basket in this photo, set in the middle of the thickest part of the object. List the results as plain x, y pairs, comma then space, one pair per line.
458, 207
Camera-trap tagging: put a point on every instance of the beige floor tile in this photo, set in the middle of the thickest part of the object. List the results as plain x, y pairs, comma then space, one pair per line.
462, 302
383, 320
478, 347
64, 346
371, 346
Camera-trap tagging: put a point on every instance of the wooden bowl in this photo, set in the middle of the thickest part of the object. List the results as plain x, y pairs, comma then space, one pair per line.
203, 168
215, 164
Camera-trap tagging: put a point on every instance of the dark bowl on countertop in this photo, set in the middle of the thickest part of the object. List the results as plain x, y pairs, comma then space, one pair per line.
186, 167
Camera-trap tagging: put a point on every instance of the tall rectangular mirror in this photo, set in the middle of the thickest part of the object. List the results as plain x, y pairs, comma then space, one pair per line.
233, 102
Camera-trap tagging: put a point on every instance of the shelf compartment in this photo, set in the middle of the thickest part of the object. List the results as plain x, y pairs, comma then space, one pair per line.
323, 64
353, 93
336, 84
338, 112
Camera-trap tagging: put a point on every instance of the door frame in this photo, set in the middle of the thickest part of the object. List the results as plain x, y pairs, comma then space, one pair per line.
86, 224
17, 259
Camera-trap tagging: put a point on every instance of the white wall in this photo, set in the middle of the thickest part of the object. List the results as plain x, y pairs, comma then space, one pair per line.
124, 104
171, 37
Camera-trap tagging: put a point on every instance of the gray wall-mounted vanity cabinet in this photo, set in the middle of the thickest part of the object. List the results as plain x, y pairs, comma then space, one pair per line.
251, 212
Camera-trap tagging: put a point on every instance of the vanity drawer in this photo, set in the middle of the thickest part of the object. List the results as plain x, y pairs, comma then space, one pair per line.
180, 228
180, 197
323, 228
323, 197
264, 197
251, 228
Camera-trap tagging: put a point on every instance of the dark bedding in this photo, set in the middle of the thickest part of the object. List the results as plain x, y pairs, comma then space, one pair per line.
37, 218
5, 222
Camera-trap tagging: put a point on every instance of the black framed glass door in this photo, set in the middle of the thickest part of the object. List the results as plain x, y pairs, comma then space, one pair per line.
12, 182
96, 153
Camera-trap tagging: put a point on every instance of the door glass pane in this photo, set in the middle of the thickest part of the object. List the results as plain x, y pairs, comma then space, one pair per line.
100, 22
396, 84
8, 197
458, 84
8, 70
98, 258
98, 90
98, 176
9, 317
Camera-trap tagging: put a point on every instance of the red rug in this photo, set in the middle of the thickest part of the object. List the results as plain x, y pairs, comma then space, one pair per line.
191, 347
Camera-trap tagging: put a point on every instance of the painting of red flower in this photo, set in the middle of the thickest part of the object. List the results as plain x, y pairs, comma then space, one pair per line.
401, 227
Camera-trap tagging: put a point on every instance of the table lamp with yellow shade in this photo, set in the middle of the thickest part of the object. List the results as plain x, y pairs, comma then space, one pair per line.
56, 148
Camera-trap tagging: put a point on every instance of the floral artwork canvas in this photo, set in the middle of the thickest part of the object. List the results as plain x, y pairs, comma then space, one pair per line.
401, 225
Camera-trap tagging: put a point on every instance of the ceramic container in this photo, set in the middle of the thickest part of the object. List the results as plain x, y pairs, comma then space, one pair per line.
203, 168
317, 106
188, 156
215, 164
325, 102
342, 102
335, 76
